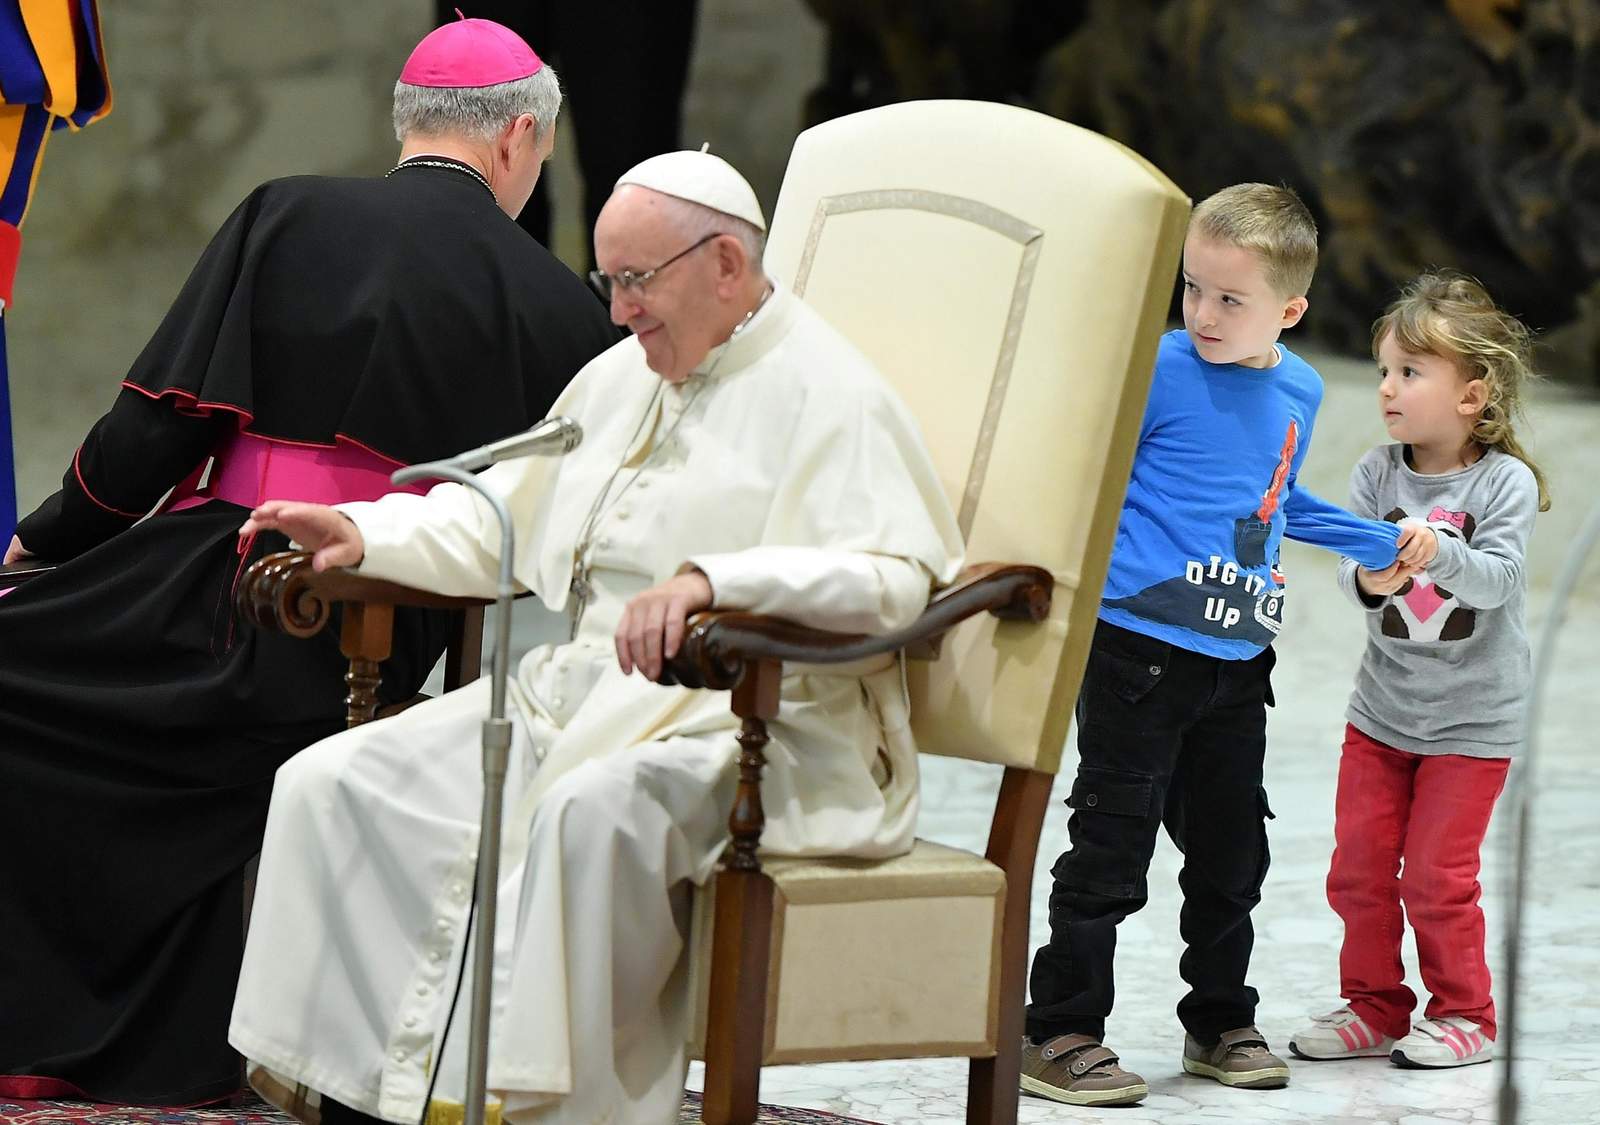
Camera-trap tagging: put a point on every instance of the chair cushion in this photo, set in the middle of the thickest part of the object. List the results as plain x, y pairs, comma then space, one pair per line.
888, 958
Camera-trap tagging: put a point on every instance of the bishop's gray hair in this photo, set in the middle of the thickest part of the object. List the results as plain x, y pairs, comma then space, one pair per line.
478, 112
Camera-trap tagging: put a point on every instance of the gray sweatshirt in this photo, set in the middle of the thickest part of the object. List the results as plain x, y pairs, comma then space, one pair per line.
1447, 668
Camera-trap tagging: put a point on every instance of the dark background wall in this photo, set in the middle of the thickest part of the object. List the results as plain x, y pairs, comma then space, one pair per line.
1421, 132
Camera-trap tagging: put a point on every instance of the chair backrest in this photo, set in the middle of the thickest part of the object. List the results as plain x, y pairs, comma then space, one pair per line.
1010, 274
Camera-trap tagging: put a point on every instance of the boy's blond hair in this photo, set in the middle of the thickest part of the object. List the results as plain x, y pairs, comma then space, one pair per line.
1269, 220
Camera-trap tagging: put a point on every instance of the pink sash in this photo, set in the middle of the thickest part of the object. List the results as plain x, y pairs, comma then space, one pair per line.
250, 470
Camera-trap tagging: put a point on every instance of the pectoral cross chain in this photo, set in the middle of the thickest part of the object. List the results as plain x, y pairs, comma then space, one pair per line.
582, 591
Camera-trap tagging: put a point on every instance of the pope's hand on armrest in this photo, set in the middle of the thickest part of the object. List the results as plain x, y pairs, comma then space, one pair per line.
839, 591
16, 552
850, 592
653, 623
331, 536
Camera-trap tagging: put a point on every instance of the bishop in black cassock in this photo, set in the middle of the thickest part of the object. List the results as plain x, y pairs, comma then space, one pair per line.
387, 320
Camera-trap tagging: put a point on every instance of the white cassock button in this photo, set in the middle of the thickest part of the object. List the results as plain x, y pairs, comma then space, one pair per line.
604, 542
459, 890
411, 1021
622, 513
422, 990
435, 956
444, 925
560, 701
400, 1056
642, 483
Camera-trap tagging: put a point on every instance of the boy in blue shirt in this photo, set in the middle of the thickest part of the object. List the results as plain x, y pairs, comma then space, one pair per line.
1172, 714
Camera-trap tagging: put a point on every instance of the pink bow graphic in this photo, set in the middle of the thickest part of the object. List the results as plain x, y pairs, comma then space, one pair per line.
1456, 519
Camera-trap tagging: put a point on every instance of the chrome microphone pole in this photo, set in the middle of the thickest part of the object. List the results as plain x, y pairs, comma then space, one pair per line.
1543, 661
496, 752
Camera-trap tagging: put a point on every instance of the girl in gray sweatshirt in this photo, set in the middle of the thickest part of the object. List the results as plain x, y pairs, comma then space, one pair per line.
1438, 708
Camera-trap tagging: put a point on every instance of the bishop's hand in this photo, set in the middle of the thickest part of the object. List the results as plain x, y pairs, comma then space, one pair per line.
653, 623
331, 536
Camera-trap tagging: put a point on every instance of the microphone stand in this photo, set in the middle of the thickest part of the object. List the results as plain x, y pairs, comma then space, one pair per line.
1510, 1096
496, 752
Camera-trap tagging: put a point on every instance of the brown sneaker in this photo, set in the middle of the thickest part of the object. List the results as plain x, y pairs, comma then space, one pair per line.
1077, 1070
1240, 1058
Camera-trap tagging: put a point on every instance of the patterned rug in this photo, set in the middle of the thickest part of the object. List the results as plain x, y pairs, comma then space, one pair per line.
259, 1113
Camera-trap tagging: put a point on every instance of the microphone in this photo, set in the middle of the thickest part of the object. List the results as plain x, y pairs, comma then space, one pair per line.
550, 438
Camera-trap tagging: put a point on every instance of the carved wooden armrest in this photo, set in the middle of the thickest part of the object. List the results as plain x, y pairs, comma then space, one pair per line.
15, 574
745, 653
718, 644
282, 592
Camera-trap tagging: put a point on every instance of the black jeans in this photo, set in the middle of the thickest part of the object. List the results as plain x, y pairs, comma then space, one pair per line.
1165, 735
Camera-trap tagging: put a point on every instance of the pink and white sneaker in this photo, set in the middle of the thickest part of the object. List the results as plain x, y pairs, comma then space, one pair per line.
1341, 1034
1450, 1041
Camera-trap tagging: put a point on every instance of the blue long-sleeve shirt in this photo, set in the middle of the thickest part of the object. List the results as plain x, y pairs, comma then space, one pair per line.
1210, 498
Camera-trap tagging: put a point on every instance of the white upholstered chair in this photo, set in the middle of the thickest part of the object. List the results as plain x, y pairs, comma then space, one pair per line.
1010, 274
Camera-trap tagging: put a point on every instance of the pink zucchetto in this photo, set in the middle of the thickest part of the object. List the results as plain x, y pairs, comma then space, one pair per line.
470, 53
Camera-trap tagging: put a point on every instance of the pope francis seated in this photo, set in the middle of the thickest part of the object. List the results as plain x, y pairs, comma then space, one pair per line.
737, 453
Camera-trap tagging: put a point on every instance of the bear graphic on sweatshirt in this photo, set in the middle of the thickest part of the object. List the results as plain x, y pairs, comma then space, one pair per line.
1423, 610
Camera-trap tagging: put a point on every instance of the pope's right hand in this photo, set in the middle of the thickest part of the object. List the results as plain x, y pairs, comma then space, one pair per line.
331, 536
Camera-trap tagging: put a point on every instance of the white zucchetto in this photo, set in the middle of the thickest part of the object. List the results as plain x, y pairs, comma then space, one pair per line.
698, 177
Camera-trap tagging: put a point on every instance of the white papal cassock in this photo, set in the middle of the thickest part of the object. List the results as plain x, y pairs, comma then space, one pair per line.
789, 473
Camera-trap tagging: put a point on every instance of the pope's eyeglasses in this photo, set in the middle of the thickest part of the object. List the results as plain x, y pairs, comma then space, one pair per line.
634, 283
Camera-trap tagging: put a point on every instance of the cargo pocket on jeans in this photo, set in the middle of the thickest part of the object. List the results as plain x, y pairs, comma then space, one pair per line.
1111, 791
1111, 811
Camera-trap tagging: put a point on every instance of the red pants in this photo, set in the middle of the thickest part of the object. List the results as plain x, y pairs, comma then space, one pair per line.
1432, 811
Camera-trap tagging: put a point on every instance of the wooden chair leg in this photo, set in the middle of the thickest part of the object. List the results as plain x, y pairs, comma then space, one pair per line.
736, 1023
741, 938
993, 1085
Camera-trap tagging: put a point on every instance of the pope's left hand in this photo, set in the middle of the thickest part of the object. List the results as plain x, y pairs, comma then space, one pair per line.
653, 623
